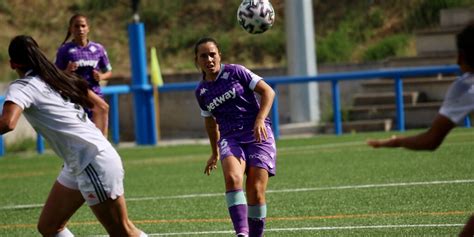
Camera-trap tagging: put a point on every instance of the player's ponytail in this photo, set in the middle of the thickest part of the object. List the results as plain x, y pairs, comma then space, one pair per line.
67, 37
26, 55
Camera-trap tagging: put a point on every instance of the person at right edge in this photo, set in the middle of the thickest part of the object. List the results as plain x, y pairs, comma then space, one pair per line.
457, 104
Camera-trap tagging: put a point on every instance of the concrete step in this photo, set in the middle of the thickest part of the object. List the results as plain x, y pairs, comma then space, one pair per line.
436, 41
433, 58
456, 16
383, 98
299, 129
419, 115
433, 88
296, 129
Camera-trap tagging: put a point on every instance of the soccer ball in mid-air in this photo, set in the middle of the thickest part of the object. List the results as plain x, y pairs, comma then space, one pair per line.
256, 16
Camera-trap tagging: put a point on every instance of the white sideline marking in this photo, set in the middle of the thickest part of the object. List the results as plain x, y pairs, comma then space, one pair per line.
315, 229
26, 206
324, 145
462, 181
372, 186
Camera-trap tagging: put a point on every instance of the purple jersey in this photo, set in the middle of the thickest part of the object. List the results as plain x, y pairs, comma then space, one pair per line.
230, 99
91, 57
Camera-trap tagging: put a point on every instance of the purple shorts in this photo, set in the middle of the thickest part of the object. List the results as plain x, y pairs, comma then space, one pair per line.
243, 145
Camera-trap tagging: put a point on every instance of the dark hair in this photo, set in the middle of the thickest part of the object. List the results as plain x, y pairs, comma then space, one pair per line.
465, 44
26, 55
203, 41
71, 20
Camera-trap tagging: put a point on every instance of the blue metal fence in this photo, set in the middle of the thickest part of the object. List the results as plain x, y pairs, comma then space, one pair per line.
397, 74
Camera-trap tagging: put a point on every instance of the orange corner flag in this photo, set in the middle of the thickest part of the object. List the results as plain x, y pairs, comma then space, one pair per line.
156, 78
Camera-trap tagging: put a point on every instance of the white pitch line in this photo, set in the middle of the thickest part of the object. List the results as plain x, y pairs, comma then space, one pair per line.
176, 197
372, 186
319, 146
364, 186
322, 228
25, 206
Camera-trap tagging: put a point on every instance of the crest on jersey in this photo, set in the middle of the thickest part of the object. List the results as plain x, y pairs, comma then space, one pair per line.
202, 91
471, 90
225, 75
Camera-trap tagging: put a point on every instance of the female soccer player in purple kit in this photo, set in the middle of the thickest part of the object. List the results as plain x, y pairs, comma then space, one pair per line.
86, 58
239, 132
457, 104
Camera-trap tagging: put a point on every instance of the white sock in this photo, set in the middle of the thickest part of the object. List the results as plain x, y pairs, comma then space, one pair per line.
65, 233
142, 234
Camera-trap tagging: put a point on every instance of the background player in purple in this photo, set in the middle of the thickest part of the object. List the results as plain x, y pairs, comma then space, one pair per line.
86, 58
239, 132
457, 104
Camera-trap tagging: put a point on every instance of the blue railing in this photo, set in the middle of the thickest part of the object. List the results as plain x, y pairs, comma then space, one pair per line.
113, 92
397, 74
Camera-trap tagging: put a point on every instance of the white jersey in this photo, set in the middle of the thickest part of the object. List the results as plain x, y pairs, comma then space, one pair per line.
459, 100
62, 123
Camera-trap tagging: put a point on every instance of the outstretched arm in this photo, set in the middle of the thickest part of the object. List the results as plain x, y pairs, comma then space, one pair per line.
10, 116
266, 100
430, 139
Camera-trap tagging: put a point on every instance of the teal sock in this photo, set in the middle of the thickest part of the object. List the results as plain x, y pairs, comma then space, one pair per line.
237, 205
257, 215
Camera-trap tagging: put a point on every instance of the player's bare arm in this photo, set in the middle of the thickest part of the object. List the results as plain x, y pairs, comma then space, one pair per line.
99, 76
100, 112
10, 116
267, 95
71, 67
431, 139
212, 130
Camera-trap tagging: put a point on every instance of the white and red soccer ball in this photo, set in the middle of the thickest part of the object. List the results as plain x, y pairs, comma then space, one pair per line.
256, 16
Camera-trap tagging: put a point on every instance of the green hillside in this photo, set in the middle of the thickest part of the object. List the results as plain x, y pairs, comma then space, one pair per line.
346, 30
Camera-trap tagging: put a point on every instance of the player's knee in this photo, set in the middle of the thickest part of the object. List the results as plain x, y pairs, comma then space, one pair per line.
233, 180
255, 194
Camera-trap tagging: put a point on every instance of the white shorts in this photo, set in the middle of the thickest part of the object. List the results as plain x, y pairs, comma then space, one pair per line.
100, 180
